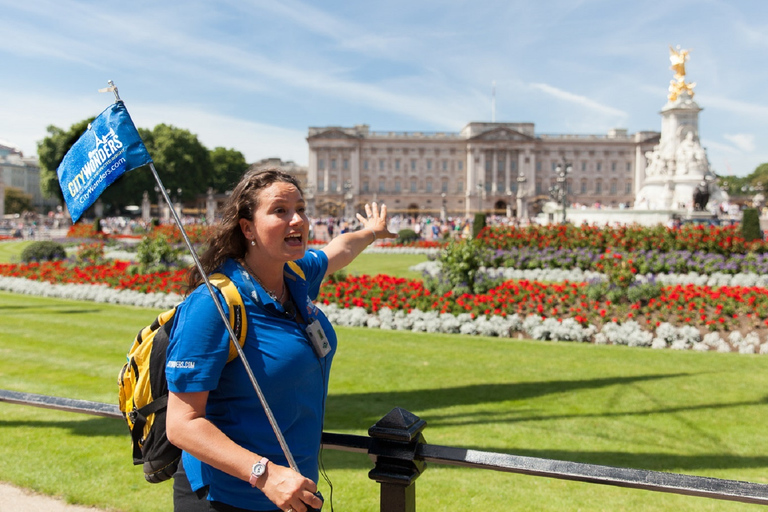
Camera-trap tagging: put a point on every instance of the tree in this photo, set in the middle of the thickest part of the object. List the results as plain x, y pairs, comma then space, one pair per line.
759, 176
50, 153
16, 201
228, 166
181, 160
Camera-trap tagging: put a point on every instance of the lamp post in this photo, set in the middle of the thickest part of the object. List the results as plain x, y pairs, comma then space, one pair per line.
522, 207
479, 196
177, 202
309, 195
559, 192
443, 212
348, 199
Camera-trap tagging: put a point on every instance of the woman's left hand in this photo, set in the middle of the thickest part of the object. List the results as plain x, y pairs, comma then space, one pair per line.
376, 220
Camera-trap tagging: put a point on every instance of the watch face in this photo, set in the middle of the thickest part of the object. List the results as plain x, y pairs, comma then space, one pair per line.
258, 469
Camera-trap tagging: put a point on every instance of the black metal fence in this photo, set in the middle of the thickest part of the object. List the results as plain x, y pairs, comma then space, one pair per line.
396, 445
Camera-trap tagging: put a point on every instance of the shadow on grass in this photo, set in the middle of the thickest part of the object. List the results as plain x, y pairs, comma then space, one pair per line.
92, 426
664, 462
55, 309
366, 408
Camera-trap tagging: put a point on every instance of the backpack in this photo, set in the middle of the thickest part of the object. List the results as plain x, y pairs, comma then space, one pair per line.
143, 389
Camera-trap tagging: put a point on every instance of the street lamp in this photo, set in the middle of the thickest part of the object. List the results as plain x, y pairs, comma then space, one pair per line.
309, 195
443, 212
348, 199
559, 192
480, 191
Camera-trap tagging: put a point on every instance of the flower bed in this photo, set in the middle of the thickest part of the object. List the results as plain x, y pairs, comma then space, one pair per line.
113, 275
682, 316
717, 309
652, 261
695, 238
197, 233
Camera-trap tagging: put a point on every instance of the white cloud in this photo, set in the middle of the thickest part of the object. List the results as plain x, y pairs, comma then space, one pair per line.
578, 100
743, 141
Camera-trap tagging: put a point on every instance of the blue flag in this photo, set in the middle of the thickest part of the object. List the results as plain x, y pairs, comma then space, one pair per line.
109, 148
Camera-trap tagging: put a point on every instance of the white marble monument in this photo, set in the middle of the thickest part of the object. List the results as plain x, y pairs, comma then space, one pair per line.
678, 166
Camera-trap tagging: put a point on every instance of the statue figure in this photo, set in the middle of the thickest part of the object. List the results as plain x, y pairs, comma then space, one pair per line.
701, 197
686, 154
654, 163
758, 201
679, 85
678, 88
678, 58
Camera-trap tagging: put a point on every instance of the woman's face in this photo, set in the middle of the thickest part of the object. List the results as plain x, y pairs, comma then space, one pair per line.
280, 226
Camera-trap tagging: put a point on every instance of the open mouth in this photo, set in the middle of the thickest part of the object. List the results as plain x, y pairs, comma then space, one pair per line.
294, 239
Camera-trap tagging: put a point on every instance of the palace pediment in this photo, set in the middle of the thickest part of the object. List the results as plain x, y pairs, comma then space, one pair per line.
502, 134
332, 133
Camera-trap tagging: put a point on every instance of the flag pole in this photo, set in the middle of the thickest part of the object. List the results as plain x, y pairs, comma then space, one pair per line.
232, 335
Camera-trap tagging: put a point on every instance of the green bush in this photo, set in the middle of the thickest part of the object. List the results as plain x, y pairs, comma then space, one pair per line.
478, 223
155, 255
460, 263
406, 236
750, 225
91, 254
43, 251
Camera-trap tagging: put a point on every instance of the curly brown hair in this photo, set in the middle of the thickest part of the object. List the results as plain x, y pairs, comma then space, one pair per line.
227, 240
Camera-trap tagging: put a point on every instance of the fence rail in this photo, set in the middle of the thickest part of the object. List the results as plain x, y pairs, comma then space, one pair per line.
396, 445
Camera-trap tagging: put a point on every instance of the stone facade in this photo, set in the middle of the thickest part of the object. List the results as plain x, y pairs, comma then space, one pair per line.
485, 167
22, 173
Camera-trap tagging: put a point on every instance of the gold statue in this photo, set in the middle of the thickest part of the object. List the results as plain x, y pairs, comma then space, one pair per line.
678, 57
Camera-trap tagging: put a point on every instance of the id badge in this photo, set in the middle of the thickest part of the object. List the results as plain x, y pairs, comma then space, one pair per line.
317, 336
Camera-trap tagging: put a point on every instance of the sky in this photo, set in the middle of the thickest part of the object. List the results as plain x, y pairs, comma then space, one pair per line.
254, 75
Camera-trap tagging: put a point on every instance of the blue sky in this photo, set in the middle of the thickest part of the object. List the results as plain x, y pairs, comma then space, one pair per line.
253, 75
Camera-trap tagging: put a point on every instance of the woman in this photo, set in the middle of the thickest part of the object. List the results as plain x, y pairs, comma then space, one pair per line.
214, 414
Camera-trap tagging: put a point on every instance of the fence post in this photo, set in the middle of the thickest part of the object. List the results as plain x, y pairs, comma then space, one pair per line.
394, 441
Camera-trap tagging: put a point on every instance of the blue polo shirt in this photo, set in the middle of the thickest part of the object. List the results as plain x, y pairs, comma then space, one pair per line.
293, 379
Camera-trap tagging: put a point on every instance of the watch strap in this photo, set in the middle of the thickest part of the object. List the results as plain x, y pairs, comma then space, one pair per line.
258, 470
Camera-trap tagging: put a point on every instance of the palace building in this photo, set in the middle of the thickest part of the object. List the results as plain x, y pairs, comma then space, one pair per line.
497, 168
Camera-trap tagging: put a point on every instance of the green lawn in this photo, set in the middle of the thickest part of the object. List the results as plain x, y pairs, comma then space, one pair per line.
686, 412
10, 251
390, 264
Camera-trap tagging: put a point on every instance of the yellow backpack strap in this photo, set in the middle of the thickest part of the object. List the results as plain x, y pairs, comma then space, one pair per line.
237, 317
297, 270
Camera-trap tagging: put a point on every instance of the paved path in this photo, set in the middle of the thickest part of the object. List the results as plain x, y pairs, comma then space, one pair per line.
14, 499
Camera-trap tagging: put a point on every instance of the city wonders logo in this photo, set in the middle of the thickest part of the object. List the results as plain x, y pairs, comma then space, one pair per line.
108, 151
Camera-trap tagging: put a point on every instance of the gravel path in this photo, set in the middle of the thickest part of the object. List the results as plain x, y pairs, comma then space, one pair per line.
15, 499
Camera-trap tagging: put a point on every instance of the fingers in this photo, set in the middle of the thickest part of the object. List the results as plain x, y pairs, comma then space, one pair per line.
306, 501
288, 489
